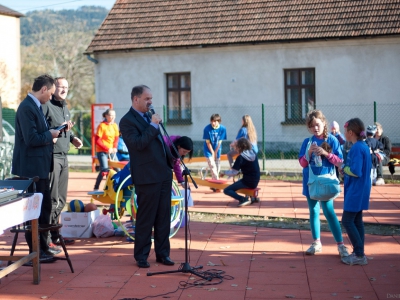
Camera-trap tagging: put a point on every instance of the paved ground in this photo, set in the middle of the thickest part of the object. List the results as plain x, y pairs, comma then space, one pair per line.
255, 262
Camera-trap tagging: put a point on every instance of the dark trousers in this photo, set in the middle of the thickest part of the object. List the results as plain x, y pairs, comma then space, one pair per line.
231, 190
379, 169
354, 225
154, 209
42, 186
58, 189
103, 161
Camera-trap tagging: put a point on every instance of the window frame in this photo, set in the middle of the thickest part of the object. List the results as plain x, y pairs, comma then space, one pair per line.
179, 89
299, 87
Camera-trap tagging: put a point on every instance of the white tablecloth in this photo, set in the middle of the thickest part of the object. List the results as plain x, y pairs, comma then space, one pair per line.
20, 211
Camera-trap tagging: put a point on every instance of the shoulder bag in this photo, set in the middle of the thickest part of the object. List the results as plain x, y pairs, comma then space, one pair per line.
322, 187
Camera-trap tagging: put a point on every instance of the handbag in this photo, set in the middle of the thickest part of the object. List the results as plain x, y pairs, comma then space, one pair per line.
322, 187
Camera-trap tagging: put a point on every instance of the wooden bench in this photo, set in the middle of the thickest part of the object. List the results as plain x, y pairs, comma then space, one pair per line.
221, 184
223, 157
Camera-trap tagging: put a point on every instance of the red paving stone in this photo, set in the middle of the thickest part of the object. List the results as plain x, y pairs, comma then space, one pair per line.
257, 263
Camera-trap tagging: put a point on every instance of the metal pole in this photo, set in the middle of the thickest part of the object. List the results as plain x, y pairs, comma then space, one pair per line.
165, 116
374, 111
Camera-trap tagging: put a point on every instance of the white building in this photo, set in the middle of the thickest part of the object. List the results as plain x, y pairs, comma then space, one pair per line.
231, 57
10, 57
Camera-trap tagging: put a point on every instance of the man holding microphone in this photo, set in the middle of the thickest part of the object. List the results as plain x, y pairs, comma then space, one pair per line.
151, 171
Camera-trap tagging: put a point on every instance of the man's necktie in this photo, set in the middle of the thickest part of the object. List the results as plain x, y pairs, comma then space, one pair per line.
147, 118
41, 110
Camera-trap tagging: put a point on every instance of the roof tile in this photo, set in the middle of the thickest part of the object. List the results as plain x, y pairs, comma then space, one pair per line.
145, 24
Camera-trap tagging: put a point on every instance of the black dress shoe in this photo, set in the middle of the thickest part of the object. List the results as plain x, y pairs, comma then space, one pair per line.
143, 263
52, 251
165, 261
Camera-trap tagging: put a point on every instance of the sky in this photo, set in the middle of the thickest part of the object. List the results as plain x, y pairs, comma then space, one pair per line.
23, 6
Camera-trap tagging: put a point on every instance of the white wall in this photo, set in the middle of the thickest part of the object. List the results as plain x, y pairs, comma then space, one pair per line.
10, 86
354, 72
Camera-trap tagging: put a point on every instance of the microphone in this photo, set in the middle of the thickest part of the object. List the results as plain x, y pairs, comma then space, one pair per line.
151, 109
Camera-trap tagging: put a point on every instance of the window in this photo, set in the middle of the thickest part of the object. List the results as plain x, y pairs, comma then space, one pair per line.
299, 94
179, 98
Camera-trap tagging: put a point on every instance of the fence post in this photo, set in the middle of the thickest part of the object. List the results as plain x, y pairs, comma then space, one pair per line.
263, 134
165, 116
81, 126
374, 111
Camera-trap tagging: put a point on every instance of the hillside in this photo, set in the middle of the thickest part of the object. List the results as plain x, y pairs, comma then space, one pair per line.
87, 18
53, 42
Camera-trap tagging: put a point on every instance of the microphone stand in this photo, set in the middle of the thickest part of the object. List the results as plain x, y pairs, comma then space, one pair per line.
184, 267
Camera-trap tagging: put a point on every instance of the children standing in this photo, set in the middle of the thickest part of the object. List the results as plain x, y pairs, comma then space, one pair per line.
375, 147
357, 190
247, 131
213, 135
247, 162
335, 131
326, 146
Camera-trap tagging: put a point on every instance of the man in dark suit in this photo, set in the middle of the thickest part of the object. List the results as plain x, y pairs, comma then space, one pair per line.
151, 164
33, 152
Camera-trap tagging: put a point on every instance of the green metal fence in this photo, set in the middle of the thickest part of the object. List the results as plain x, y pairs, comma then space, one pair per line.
278, 137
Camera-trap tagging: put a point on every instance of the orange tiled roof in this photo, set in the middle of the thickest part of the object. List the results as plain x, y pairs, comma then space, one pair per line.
145, 24
9, 12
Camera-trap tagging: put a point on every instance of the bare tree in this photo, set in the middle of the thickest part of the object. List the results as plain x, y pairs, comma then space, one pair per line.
60, 53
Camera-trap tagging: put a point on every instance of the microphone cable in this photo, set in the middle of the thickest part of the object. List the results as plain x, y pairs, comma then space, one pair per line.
218, 275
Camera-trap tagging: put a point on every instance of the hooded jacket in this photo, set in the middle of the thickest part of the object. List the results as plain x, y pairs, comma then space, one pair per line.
247, 162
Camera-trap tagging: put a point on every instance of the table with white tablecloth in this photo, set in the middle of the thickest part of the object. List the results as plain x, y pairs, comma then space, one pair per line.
15, 213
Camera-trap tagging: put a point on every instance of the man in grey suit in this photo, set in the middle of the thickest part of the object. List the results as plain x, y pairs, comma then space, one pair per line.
33, 152
151, 171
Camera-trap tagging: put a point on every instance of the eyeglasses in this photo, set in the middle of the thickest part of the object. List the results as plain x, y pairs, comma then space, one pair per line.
62, 87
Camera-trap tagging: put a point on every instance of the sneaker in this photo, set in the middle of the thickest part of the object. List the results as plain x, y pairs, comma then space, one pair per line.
53, 246
245, 201
343, 250
380, 181
314, 248
255, 200
353, 259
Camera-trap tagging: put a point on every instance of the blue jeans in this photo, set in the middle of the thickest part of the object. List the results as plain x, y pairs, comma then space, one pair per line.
103, 160
330, 215
354, 225
231, 190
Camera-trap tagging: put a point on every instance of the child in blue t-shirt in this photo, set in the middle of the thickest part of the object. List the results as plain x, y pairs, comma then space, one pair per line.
122, 150
357, 190
213, 135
